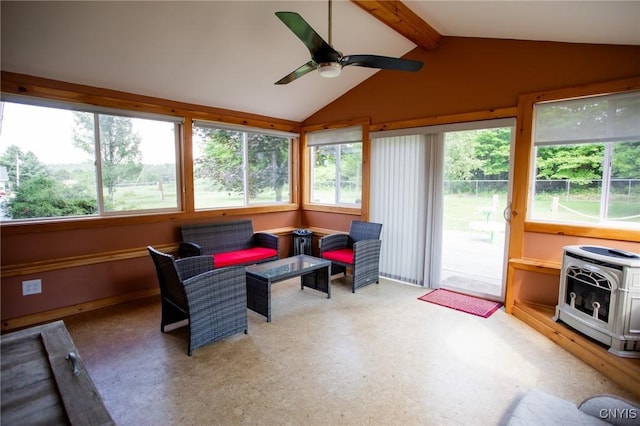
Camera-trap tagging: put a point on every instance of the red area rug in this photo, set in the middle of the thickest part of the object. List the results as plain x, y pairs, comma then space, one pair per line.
461, 302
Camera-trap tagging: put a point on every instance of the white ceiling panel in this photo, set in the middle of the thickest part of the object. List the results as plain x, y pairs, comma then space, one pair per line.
228, 54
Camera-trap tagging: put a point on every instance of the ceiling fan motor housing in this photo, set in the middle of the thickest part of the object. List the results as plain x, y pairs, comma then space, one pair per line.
329, 69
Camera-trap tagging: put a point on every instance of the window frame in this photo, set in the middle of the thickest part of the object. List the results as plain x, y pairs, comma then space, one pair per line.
49, 90
599, 135
245, 130
361, 210
96, 111
525, 150
337, 189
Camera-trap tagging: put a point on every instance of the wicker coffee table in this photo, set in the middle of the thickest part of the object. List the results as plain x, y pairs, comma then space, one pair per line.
313, 272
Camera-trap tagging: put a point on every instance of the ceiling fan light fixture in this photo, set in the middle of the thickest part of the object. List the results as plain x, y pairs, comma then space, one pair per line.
329, 69
327, 60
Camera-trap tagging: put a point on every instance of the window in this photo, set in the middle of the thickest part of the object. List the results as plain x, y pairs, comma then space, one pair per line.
235, 167
587, 161
66, 160
336, 166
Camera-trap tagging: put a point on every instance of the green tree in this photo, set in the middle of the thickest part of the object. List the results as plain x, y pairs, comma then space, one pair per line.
580, 163
38, 193
626, 160
492, 149
221, 159
351, 165
324, 167
27, 165
41, 196
268, 164
158, 173
120, 155
571, 120
325, 159
460, 155
222, 164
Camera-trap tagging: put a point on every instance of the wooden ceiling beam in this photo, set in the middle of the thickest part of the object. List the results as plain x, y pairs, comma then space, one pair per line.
403, 20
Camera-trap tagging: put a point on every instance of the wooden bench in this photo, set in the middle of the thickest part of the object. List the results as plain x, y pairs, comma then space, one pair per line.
230, 243
45, 381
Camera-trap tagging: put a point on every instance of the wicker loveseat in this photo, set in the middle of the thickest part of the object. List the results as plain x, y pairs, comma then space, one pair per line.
230, 243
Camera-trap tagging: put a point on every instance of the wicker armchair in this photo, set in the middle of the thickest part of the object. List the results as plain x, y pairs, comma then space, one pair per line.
359, 250
213, 301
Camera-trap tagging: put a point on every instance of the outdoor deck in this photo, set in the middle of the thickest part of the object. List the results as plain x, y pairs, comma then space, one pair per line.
473, 261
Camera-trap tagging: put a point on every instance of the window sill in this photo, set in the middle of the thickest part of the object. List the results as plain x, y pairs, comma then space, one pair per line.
236, 211
62, 224
619, 234
332, 208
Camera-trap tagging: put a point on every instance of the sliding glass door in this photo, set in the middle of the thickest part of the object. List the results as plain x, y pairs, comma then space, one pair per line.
475, 197
440, 193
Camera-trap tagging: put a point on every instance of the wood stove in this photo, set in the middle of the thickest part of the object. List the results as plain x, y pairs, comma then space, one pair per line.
600, 296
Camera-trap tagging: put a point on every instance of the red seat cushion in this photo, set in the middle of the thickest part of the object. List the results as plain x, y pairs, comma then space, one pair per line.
341, 255
240, 257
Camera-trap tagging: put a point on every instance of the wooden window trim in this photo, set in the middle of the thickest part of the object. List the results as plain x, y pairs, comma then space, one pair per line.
523, 155
363, 210
38, 87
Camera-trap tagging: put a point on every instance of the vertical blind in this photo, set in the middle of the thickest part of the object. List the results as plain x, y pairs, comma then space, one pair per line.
398, 195
433, 201
407, 181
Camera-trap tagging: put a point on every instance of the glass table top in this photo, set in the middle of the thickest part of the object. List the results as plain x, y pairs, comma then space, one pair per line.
290, 266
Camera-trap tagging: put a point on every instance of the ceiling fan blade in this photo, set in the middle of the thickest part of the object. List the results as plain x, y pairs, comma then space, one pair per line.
304, 69
320, 50
382, 62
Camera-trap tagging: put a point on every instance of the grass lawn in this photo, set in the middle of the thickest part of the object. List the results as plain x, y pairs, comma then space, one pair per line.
459, 209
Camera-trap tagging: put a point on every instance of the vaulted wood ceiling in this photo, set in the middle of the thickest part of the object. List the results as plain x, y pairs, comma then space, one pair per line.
403, 20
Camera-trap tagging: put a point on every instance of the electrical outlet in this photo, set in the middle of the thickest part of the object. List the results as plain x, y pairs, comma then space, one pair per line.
31, 287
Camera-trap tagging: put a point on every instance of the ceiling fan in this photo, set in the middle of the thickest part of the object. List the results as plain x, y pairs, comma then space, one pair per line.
328, 61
